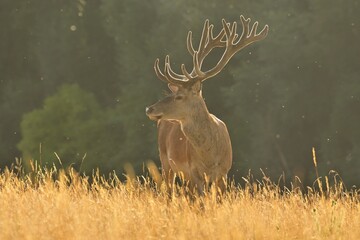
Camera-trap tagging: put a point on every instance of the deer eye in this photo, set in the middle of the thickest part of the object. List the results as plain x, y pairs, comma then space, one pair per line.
179, 97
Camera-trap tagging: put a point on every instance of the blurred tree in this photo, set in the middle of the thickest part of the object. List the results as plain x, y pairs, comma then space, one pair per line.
43, 46
72, 124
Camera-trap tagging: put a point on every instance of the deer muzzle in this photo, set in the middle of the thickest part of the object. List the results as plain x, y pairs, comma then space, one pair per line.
152, 114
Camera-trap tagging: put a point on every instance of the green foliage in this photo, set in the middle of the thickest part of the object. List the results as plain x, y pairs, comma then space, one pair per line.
40, 51
70, 124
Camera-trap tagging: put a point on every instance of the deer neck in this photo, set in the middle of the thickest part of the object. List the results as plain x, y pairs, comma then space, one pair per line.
198, 127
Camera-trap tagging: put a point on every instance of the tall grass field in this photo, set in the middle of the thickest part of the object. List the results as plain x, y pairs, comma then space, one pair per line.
61, 204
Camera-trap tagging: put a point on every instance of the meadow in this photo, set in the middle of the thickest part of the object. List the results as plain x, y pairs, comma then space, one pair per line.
62, 204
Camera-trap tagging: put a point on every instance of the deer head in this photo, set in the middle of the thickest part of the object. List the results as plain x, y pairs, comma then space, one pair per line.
186, 87
182, 102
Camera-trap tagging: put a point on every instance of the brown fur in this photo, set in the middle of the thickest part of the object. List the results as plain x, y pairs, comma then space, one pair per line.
191, 141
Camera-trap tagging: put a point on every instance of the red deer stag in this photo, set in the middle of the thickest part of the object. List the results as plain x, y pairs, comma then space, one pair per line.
192, 141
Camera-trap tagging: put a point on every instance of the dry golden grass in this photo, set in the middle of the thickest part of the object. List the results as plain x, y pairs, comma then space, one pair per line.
52, 204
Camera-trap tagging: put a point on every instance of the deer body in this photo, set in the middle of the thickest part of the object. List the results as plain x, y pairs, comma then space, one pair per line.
193, 142
197, 146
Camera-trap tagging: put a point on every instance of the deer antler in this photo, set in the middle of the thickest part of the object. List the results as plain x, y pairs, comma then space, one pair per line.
232, 43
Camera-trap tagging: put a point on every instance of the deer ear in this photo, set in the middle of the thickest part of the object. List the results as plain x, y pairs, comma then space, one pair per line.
173, 87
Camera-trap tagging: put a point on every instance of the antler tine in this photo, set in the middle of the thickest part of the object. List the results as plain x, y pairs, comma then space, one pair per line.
248, 38
254, 29
204, 40
264, 32
226, 27
170, 72
245, 25
211, 34
233, 32
185, 72
168, 76
197, 65
189, 44
158, 72
218, 38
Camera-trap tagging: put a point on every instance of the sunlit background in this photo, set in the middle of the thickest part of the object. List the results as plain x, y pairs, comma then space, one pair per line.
75, 77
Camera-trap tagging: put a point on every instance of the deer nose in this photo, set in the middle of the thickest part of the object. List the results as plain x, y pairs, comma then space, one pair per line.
148, 110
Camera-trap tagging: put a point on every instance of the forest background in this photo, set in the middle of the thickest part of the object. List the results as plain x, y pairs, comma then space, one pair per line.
76, 76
